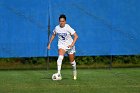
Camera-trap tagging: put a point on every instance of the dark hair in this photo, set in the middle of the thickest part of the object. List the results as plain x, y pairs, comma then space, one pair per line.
62, 16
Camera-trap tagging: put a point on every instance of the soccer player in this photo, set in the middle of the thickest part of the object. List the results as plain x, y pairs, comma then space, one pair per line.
66, 44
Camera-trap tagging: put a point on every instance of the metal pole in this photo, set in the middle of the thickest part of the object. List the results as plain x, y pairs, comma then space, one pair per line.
48, 59
110, 63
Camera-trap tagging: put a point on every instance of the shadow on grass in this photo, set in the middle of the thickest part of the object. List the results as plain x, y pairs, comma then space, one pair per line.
49, 78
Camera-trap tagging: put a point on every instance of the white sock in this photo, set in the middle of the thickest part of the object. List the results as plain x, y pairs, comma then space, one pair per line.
59, 63
73, 65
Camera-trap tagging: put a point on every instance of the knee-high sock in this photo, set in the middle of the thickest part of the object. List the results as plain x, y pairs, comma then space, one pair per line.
73, 65
59, 63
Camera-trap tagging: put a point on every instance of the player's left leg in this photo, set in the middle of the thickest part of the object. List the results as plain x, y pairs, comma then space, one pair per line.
73, 63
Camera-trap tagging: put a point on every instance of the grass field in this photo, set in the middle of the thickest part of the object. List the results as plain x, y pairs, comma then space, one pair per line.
89, 81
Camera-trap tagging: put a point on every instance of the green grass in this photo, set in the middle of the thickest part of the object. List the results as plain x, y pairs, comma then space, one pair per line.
89, 81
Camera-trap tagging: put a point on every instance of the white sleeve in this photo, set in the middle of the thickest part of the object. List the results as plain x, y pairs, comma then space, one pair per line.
54, 31
71, 30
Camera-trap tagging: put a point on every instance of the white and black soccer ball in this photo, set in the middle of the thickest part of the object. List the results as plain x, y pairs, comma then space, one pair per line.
56, 76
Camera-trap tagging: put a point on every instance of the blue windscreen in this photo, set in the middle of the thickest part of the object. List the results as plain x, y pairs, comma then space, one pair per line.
104, 27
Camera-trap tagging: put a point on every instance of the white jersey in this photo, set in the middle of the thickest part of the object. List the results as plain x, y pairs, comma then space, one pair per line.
64, 35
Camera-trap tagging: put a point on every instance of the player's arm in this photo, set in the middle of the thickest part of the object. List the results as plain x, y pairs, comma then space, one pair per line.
52, 38
74, 40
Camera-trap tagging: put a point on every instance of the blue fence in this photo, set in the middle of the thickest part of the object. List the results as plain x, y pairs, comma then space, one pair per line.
105, 27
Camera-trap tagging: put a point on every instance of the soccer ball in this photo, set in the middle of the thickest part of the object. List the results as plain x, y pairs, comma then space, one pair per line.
56, 76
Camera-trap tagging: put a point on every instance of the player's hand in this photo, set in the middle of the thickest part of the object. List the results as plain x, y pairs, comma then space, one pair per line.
70, 46
49, 47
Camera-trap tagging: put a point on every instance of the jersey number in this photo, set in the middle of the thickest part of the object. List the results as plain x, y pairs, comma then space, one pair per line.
63, 38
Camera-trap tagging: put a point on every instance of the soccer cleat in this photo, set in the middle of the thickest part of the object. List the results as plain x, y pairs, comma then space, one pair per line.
59, 76
74, 75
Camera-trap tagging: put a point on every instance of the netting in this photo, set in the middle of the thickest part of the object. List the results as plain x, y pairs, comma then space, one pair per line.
104, 27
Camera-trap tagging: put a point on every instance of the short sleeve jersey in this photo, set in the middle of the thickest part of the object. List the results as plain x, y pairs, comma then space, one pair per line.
64, 35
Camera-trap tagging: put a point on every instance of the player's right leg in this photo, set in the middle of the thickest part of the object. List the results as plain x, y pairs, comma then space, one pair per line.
61, 53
